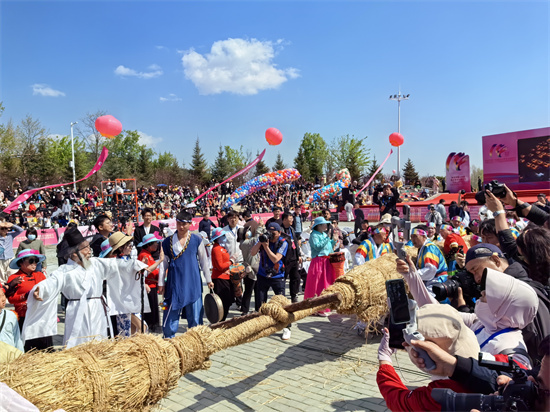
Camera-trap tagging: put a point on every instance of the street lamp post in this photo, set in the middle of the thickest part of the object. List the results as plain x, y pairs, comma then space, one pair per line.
399, 97
72, 149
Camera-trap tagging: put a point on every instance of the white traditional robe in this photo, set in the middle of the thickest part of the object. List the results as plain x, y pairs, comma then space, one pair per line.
85, 314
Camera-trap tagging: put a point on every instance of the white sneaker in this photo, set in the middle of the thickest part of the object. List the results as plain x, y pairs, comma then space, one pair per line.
286, 334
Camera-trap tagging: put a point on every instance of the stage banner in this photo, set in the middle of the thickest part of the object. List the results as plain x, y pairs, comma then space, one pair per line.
458, 172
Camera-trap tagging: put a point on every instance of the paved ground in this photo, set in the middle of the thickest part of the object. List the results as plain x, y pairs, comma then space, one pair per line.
325, 366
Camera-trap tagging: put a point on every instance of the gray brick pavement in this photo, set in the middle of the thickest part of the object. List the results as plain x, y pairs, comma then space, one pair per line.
325, 366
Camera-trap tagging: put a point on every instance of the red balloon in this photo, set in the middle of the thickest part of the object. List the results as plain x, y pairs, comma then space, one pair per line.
396, 139
108, 126
273, 136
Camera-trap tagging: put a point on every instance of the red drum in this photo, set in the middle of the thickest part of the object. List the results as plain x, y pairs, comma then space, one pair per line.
236, 274
337, 260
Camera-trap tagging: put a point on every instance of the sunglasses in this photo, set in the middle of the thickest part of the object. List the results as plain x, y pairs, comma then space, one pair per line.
32, 261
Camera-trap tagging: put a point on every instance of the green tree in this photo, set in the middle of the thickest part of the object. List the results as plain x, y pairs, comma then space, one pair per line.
125, 153
28, 133
475, 173
350, 152
220, 169
313, 155
199, 166
372, 169
409, 173
9, 161
300, 164
261, 167
279, 163
167, 170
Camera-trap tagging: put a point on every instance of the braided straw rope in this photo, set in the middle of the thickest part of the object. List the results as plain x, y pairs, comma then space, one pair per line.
134, 374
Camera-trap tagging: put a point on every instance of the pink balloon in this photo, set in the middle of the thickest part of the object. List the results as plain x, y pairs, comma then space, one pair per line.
396, 139
273, 136
108, 126
393, 172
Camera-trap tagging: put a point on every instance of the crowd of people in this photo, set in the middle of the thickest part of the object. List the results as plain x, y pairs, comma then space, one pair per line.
481, 285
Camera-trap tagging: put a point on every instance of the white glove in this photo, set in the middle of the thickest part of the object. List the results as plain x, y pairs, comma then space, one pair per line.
384, 350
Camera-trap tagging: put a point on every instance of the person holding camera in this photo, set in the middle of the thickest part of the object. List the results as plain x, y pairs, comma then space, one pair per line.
433, 216
484, 380
271, 271
442, 327
386, 197
506, 306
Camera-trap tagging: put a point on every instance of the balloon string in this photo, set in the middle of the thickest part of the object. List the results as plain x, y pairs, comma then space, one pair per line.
26, 195
375, 173
240, 172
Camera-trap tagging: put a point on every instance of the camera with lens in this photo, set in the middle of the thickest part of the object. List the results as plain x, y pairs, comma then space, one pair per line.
269, 272
449, 288
495, 188
519, 395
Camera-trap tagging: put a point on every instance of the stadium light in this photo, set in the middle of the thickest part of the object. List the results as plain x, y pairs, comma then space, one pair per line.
398, 97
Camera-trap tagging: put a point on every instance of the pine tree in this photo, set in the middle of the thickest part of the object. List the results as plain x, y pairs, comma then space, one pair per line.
373, 167
198, 164
300, 163
220, 168
279, 163
410, 174
261, 167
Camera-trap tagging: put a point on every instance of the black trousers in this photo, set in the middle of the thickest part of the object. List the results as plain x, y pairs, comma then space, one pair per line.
43, 343
224, 289
291, 272
152, 318
249, 286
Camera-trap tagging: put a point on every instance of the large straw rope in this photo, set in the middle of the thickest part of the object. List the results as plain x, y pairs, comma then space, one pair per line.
134, 374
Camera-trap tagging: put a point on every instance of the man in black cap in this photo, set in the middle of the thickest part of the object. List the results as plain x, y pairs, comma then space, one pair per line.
184, 256
293, 257
271, 270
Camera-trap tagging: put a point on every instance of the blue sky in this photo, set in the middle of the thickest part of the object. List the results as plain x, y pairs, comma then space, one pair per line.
226, 71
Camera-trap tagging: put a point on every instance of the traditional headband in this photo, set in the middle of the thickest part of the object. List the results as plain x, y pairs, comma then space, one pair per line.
446, 227
380, 230
477, 238
457, 218
431, 224
418, 232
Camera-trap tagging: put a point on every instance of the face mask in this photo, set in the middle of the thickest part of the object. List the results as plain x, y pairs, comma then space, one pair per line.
31, 237
484, 314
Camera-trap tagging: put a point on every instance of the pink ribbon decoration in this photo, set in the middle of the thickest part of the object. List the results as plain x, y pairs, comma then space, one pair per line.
375, 173
26, 195
240, 172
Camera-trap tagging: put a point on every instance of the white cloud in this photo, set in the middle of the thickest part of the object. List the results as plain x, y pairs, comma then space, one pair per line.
154, 71
148, 140
236, 66
171, 98
161, 47
45, 90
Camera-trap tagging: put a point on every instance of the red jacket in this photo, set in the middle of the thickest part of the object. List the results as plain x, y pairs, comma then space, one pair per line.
399, 398
152, 278
19, 299
220, 262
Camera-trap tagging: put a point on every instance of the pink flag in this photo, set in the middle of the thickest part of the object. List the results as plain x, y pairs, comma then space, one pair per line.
25, 196
240, 172
375, 173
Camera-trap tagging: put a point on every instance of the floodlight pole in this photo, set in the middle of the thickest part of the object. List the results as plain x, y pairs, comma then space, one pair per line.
72, 149
398, 97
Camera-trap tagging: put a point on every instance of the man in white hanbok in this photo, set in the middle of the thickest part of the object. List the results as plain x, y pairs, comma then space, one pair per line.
81, 281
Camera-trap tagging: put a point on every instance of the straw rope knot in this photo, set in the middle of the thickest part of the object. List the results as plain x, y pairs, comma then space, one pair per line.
274, 308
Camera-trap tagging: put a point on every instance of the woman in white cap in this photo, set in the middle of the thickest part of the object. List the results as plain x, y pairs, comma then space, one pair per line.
442, 325
320, 274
